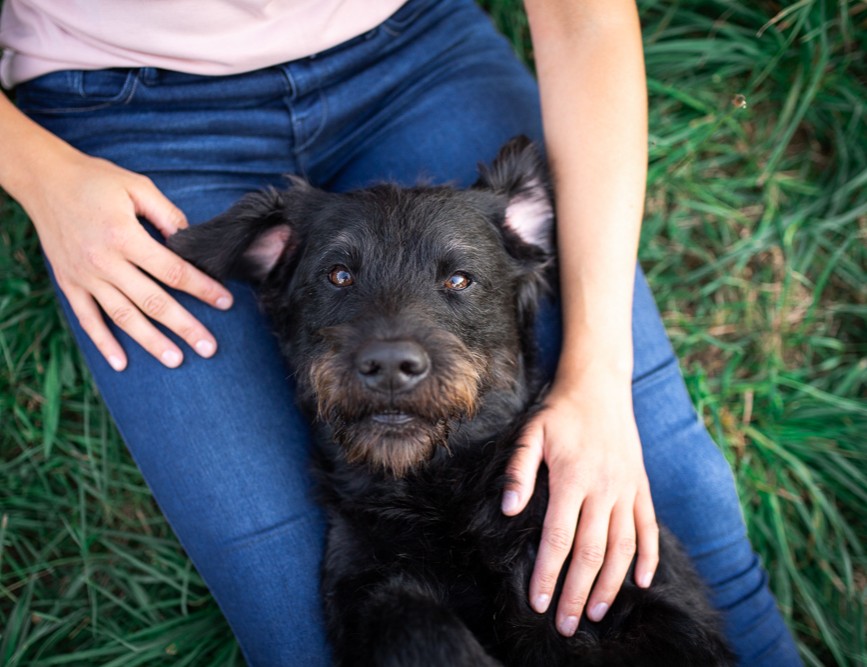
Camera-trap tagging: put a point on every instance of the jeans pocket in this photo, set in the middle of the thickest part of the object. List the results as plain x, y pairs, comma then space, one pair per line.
76, 91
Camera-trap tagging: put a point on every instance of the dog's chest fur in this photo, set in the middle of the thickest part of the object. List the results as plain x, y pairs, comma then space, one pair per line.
441, 525
445, 510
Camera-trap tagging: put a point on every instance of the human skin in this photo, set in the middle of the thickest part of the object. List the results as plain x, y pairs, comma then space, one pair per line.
590, 69
84, 210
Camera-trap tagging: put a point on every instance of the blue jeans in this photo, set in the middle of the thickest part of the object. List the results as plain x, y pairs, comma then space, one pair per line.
426, 95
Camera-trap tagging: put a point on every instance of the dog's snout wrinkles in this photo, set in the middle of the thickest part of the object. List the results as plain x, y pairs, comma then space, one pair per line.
396, 365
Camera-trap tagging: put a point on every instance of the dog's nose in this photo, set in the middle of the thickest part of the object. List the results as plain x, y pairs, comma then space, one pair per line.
392, 365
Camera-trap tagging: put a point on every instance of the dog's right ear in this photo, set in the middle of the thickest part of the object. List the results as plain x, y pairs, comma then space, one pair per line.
245, 242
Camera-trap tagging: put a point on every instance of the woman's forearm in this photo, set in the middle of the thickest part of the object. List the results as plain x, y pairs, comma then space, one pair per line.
27, 151
591, 74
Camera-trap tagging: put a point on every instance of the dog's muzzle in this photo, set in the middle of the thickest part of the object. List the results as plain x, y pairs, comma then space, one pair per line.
390, 397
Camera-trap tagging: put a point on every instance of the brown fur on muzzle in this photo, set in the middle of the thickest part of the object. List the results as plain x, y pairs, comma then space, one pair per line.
449, 392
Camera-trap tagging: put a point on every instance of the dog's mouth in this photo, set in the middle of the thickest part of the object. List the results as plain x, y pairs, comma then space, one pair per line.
394, 418
390, 440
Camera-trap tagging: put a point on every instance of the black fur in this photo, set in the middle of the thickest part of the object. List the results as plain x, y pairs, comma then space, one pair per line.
418, 392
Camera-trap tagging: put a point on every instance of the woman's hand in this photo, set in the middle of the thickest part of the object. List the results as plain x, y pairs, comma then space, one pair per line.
599, 507
85, 212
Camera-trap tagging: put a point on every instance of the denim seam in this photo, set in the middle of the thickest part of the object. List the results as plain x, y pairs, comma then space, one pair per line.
323, 119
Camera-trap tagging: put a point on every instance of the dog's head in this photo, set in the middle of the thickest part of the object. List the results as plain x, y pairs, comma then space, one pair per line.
400, 309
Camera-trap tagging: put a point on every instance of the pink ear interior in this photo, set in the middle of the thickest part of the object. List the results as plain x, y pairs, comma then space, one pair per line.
531, 216
267, 248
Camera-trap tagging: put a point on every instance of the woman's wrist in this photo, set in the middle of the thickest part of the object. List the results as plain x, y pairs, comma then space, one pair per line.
28, 153
589, 355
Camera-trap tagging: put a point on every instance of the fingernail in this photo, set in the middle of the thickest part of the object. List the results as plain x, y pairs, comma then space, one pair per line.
171, 358
116, 362
224, 303
646, 578
510, 502
540, 603
569, 625
205, 348
598, 612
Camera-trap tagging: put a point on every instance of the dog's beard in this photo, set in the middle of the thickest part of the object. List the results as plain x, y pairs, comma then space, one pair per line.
398, 432
396, 451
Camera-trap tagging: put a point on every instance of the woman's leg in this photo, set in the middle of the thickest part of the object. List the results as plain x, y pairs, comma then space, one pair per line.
219, 441
469, 96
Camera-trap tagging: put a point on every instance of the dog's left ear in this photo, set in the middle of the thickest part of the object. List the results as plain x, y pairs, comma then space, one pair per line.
518, 173
520, 180
245, 242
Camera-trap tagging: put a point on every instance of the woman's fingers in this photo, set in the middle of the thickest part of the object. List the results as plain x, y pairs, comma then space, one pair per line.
647, 531
606, 543
152, 204
177, 273
588, 555
92, 322
558, 535
127, 316
131, 299
523, 469
619, 552
602, 550
156, 304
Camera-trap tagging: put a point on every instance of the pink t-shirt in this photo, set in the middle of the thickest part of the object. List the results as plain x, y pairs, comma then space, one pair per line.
211, 37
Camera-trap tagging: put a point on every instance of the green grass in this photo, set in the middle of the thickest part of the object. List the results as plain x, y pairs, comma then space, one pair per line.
754, 242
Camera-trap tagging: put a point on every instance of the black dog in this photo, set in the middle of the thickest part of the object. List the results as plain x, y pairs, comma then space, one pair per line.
407, 315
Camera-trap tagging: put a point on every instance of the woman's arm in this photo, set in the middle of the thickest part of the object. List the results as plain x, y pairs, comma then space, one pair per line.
84, 210
594, 106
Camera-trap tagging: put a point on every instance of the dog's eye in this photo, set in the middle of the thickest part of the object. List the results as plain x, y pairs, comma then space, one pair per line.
457, 281
341, 276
